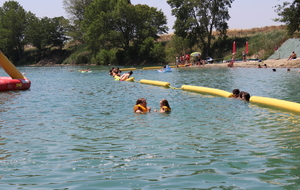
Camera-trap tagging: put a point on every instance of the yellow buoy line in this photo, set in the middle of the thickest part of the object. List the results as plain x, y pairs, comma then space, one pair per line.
145, 68
128, 69
276, 103
206, 90
264, 101
156, 83
271, 102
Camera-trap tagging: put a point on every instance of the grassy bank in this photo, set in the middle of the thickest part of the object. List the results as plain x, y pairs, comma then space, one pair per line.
262, 43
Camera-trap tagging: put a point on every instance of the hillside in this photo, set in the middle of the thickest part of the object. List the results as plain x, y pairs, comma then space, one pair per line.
233, 33
262, 42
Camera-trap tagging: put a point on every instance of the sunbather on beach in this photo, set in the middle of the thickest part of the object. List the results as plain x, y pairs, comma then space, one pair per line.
292, 56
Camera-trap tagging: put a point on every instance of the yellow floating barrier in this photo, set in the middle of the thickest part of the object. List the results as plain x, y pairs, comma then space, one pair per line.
276, 103
9, 68
207, 90
131, 79
148, 68
128, 69
157, 83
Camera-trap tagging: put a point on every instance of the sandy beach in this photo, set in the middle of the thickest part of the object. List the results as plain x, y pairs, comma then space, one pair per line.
280, 63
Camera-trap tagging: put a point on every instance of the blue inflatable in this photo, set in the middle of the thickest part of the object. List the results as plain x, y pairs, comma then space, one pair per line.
166, 69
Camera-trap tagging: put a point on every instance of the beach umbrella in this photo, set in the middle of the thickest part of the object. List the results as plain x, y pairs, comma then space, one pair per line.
195, 54
247, 50
234, 47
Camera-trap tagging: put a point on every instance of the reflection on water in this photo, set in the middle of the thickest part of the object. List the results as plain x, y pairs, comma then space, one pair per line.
78, 131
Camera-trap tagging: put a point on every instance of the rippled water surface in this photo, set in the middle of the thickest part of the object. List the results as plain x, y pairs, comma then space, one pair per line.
76, 130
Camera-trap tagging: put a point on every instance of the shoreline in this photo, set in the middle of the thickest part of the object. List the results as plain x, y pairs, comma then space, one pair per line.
280, 63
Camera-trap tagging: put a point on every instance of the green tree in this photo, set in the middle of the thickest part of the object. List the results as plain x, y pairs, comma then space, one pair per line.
76, 10
117, 24
45, 32
181, 45
290, 15
196, 20
12, 27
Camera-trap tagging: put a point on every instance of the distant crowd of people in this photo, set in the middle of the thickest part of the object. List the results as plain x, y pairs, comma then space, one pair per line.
184, 59
187, 61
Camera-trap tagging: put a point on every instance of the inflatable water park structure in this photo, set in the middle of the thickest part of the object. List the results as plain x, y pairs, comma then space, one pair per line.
16, 81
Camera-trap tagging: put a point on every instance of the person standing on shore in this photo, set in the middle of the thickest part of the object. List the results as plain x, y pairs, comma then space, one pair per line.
230, 64
244, 56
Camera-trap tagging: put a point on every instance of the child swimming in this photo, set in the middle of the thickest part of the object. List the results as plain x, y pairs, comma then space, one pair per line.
141, 106
164, 106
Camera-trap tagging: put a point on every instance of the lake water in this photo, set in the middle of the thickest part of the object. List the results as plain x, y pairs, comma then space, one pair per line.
76, 130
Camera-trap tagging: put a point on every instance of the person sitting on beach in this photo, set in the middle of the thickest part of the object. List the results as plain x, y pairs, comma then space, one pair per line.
141, 106
199, 60
265, 66
244, 96
258, 66
126, 76
235, 93
292, 56
164, 106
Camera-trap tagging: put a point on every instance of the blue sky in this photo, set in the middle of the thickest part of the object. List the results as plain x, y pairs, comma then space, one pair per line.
245, 14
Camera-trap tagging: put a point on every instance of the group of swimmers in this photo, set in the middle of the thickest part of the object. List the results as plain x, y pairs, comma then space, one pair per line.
116, 74
141, 106
240, 95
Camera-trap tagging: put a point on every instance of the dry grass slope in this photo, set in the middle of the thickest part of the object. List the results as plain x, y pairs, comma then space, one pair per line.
231, 33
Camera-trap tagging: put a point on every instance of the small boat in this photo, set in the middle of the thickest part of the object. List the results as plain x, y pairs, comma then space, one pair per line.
167, 68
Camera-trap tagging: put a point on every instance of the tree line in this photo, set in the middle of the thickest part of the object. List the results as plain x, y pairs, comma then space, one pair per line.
117, 32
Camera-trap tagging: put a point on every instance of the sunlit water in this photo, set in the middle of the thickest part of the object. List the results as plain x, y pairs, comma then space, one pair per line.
76, 130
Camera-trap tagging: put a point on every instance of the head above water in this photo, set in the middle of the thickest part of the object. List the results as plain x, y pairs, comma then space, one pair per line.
236, 93
245, 96
141, 101
164, 102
